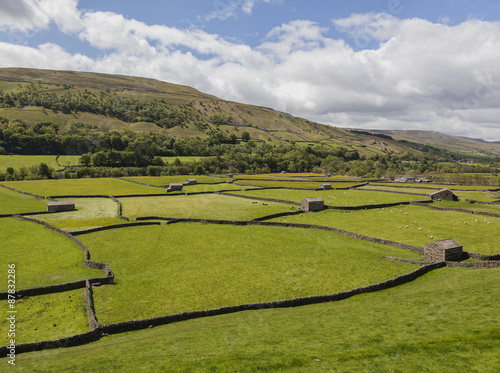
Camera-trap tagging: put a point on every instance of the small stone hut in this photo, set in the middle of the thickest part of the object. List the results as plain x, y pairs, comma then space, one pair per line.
58, 206
190, 182
443, 195
448, 250
312, 204
325, 186
229, 176
175, 187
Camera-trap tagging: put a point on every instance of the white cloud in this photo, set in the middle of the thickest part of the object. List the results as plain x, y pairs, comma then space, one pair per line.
28, 15
421, 75
224, 9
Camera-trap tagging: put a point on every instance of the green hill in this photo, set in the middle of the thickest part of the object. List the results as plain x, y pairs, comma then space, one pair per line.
112, 102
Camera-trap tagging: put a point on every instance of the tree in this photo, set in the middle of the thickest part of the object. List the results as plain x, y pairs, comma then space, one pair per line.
245, 136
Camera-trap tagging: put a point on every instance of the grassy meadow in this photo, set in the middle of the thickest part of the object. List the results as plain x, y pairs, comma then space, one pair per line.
202, 206
89, 213
101, 186
17, 161
292, 184
438, 323
14, 203
165, 180
47, 317
194, 266
412, 225
444, 321
42, 257
352, 197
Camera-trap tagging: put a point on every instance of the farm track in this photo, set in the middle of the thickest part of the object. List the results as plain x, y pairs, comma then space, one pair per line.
98, 331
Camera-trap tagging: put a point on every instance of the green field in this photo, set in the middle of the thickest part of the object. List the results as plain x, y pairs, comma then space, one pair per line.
193, 266
438, 323
468, 206
292, 184
103, 186
49, 316
461, 194
165, 180
433, 186
17, 161
444, 321
90, 213
209, 206
390, 223
13, 203
333, 197
42, 257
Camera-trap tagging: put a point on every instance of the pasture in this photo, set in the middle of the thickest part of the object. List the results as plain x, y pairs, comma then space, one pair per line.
193, 266
17, 161
209, 206
442, 321
407, 329
42, 257
83, 187
337, 198
15, 203
412, 225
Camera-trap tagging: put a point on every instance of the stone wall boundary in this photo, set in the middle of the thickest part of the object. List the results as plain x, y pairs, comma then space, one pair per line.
297, 302
89, 298
133, 325
392, 191
26, 193
117, 226
472, 212
474, 265
260, 198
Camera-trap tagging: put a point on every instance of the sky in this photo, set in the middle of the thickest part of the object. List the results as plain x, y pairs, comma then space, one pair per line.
370, 64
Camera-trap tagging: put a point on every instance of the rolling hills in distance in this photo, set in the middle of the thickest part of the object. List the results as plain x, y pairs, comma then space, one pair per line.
142, 104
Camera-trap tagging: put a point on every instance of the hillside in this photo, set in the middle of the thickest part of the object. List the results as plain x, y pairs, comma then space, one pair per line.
461, 145
113, 102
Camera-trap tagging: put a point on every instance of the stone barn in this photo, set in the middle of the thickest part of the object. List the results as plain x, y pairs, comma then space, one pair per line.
312, 204
438, 251
325, 186
58, 206
443, 195
175, 187
229, 176
190, 182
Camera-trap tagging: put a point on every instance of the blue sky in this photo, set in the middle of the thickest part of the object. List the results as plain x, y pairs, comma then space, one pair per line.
385, 64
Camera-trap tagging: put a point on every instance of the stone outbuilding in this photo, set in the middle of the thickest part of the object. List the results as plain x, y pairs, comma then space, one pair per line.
175, 187
325, 186
190, 182
443, 195
230, 176
58, 206
312, 204
444, 250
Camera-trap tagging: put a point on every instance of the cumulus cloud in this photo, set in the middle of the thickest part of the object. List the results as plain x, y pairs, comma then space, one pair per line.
28, 15
388, 72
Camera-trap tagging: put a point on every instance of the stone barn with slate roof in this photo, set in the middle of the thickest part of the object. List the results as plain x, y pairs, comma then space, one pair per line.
443, 195
325, 186
312, 204
190, 182
175, 187
58, 206
444, 250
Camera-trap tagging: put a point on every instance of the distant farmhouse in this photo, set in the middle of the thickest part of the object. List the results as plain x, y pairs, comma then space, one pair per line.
443, 195
410, 179
312, 204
